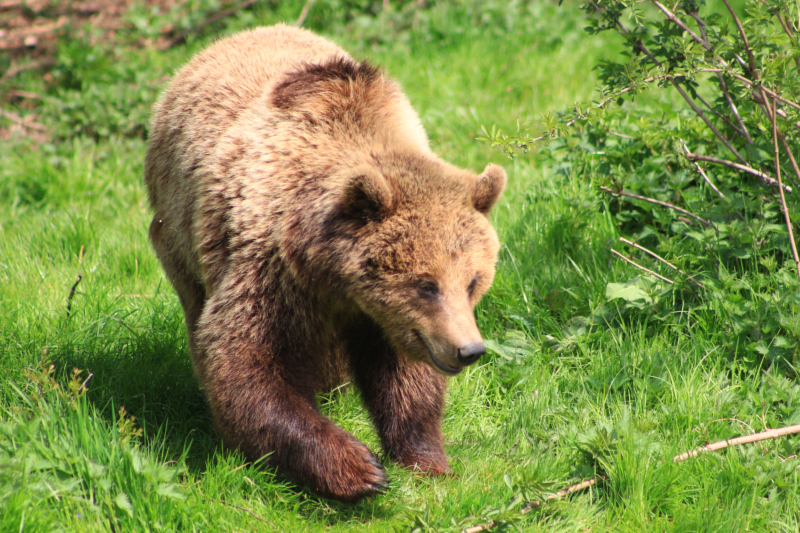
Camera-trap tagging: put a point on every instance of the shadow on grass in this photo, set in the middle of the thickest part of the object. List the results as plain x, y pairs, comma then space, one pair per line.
138, 356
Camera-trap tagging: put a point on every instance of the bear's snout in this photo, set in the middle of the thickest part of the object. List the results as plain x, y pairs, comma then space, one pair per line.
471, 352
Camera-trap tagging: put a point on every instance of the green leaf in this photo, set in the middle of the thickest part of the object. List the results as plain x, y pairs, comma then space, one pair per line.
630, 292
124, 503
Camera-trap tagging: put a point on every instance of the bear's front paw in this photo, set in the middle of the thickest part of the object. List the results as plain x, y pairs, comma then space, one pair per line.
348, 469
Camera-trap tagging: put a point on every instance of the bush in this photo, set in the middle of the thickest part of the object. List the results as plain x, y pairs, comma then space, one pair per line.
690, 173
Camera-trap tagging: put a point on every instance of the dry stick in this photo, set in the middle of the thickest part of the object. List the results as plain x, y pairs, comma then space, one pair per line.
747, 439
19, 120
783, 198
248, 511
721, 445
764, 178
14, 70
538, 503
181, 37
303, 14
637, 265
645, 250
658, 202
72, 293
85, 381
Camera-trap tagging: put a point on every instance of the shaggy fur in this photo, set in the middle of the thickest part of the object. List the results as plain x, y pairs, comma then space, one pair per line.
313, 237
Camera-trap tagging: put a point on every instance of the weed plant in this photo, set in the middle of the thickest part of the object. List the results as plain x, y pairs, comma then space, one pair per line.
576, 383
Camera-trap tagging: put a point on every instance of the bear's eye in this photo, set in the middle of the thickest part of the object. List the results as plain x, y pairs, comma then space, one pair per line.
428, 289
472, 285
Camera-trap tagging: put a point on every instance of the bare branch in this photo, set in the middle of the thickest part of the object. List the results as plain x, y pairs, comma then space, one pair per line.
672, 18
700, 170
653, 254
783, 198
791, 157
722, 117
735, 111
691, 103
563, 493
764, 178
751, 59
658, 202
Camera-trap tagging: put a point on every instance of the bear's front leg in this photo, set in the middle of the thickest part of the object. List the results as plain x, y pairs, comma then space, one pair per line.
405, 399
261, 392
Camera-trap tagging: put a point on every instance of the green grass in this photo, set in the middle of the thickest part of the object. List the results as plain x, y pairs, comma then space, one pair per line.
569, 390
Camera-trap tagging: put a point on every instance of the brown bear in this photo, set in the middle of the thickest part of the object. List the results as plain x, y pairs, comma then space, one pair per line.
313, 238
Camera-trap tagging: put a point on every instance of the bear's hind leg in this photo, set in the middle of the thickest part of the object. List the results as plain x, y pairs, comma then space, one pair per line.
190, 291
405, 399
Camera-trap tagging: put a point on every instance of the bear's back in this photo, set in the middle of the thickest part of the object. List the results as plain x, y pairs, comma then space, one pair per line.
210, 92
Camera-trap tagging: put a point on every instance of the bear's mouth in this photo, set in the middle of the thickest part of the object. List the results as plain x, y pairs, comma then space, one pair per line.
443, 367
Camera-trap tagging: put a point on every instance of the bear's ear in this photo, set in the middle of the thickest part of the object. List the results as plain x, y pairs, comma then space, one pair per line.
488, 188
367, 195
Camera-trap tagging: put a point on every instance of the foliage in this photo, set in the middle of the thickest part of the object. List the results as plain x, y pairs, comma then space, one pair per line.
706, 147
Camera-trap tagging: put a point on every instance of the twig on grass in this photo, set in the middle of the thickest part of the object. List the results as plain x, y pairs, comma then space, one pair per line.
85, 381
21, 121
72, 293
747, 439
658, 202
653, 254
181, 37
538, 503
783, 197
637, 265
14, 69
248, 511
721, 445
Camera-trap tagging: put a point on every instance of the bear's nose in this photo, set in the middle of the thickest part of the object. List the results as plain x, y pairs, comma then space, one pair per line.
470, 353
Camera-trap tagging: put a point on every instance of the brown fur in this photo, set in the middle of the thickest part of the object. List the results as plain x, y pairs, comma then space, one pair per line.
311, 235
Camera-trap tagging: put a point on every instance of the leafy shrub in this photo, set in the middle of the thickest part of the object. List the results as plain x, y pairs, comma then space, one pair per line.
690, 174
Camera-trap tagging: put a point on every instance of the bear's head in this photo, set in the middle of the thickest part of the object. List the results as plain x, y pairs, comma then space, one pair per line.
421, 252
